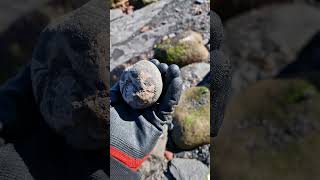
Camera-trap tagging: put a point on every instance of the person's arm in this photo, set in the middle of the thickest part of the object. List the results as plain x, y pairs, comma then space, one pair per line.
134, 133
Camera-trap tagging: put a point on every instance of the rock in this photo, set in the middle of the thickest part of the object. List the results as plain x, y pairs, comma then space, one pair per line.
188, 169
275, 40
115, 74
200, 1
229, 9
307, 64
149, 1
182, 50
70, 83
141, 84
271, 131
156, 164
201, 153
115, 14
192, 119
193, 74
163, 19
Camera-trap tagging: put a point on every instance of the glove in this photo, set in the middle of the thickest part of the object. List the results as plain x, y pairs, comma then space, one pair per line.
69, 73
18, 110
38, 153
220, 74
134, 133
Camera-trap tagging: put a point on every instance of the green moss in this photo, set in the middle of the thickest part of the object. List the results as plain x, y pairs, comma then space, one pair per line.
177, 53
296, 92
197, 114
196, 93
170, 52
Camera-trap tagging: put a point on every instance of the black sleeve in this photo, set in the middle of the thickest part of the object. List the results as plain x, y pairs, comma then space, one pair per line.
120, 172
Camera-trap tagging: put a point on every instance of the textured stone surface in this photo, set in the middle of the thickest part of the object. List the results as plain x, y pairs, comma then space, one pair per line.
188, 169
192, 119
163, 18
271, 131
141, 84
193, 74
183, 49
275, 40
156, 164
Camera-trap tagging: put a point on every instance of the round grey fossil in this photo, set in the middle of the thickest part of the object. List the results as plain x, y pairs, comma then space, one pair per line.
141, 84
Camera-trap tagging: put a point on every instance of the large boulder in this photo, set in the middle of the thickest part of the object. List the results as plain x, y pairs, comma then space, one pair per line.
262, 42
184, 49
147, 25
271, 131
192, 119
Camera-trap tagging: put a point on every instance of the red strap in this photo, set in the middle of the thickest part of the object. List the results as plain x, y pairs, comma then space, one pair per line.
131, 162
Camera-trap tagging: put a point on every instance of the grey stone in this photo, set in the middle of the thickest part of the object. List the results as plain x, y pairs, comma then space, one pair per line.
163, 20
182, 169
262, 42
193, 74
115, 14
141, 84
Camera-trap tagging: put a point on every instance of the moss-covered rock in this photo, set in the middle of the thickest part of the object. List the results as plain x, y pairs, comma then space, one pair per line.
192, 119
271, 131
184, 49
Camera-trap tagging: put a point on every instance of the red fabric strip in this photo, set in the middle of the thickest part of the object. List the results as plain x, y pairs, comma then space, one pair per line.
131, 162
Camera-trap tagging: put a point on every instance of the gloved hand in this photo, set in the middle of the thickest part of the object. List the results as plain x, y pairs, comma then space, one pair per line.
134, 133
220, 74
17, 105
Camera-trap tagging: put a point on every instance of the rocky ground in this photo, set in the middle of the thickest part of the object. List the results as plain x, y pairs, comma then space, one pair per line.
163, 30
20, 25
271, 126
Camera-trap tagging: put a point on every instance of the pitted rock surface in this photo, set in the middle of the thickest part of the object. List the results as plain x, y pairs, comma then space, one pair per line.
141, 84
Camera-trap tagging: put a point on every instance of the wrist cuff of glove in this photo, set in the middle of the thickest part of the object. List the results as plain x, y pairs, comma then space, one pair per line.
121, 172
129, 161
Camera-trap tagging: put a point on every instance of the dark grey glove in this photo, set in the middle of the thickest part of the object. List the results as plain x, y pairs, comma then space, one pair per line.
134, 133
70, 76
220, 74
17, 106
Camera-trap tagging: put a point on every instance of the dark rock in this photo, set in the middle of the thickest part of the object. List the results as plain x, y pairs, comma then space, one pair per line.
201, 153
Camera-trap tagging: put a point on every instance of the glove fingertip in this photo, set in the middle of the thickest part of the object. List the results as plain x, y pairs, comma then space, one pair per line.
173, 94
174, 71
115, 93
163, 68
